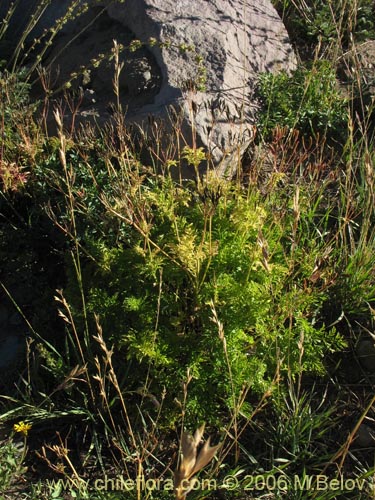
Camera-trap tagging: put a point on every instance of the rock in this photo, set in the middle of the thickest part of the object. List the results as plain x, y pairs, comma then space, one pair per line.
365, 350
356, 71
15, 319
12, 344
235, 39
365, 437
11, 348
359, 62
21, 18
93, 89
4, 314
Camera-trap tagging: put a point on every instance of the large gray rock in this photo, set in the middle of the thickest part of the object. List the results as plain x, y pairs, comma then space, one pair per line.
237, 39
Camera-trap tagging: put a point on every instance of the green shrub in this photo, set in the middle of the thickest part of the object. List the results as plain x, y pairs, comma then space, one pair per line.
202, 294
316, 23
307, 100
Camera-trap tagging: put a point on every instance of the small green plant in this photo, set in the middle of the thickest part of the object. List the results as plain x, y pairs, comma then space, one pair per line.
307, 100
8, 464
328, 28
12, 456
19, 144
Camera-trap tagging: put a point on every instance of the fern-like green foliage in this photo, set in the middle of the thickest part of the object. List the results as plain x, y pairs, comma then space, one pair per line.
207, 289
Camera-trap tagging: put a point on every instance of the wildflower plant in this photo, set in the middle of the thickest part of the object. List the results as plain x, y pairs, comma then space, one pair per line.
22, 428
